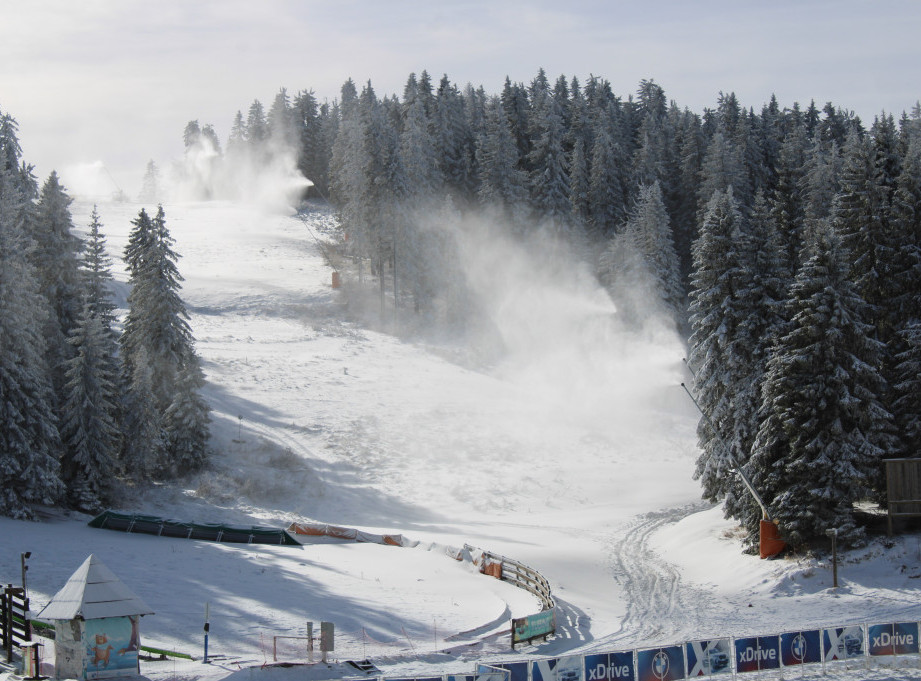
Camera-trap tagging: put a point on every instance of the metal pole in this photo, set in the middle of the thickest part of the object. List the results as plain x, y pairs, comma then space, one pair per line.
732, 459
207, 629
833, 535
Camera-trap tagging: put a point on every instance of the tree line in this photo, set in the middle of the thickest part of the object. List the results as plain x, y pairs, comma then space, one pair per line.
785, 243
88, 402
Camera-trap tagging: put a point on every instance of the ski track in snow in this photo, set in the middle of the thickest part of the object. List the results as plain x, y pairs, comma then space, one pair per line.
660, 607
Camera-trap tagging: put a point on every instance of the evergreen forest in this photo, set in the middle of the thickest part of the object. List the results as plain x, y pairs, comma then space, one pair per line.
89, 405
784, 244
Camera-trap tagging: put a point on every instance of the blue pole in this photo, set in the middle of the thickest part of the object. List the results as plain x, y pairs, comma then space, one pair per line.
207, 627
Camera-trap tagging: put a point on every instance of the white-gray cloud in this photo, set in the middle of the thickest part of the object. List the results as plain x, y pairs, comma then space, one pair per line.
116, 80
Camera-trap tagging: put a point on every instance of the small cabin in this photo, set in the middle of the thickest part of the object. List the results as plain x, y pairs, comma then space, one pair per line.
96, 625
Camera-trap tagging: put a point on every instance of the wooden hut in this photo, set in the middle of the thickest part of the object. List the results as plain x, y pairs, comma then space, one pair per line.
96, 625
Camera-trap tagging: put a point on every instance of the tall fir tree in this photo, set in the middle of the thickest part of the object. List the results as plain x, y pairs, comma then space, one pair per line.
157, 330
89, 426
824, 431
29, 439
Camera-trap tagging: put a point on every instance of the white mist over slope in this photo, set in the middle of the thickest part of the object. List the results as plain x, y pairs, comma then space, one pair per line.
572, 452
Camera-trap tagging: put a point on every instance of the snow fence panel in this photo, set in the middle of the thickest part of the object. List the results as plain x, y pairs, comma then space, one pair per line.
757, 653
898, 638
706, 658
517, 671
843, 643
801, 647
609, 667
660, 664
485, 672
567, 668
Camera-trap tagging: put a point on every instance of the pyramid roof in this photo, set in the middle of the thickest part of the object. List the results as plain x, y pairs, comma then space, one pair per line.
93, 592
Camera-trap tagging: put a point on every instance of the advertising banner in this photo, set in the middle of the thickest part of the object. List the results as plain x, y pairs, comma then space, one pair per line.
842, 643
660, 664
706, 658
757, 653
800, 647
533, 626
609, 667
111, 647
557, 669
900, 638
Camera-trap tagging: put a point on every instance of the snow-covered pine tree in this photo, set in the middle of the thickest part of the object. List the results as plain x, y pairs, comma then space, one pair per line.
150, 185
89, 424
143, 452
606, 191
729, 329
549, 175
56, 258
29, 440
649, 222
823, 430
502, 183
157, 329
906, 374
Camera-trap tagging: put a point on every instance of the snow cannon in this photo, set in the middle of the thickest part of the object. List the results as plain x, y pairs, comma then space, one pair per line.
769, 541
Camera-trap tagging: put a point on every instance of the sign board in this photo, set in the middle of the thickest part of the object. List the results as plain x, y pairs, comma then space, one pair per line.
660, 664
900, 638
757, 653
533, 626
327, 637
609, 667
800, 647
706, 658
842, 643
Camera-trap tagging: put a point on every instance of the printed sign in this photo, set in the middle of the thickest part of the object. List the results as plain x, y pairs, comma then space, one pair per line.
757, 653
660, 664
800, 647
533, 626
609, 667
900, 638
112, 645
557, 669
842, 643
706, 658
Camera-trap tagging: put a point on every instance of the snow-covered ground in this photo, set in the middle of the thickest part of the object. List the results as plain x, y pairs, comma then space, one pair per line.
572, 451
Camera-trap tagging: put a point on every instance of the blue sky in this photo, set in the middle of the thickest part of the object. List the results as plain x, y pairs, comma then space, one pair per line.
116, 80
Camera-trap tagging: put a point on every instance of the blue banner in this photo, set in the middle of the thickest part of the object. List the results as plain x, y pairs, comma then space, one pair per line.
842, 643
517, 671
557, 669
900, 638
801, 647
757, 653
609, 667
660, 664
706, 658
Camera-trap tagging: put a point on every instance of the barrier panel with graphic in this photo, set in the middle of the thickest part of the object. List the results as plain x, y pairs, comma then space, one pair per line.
609, 667
843, 643
706, 658
713, 657
899, 638
801, 647
660, 664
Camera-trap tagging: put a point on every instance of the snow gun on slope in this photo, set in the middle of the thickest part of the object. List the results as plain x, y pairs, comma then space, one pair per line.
769, 541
